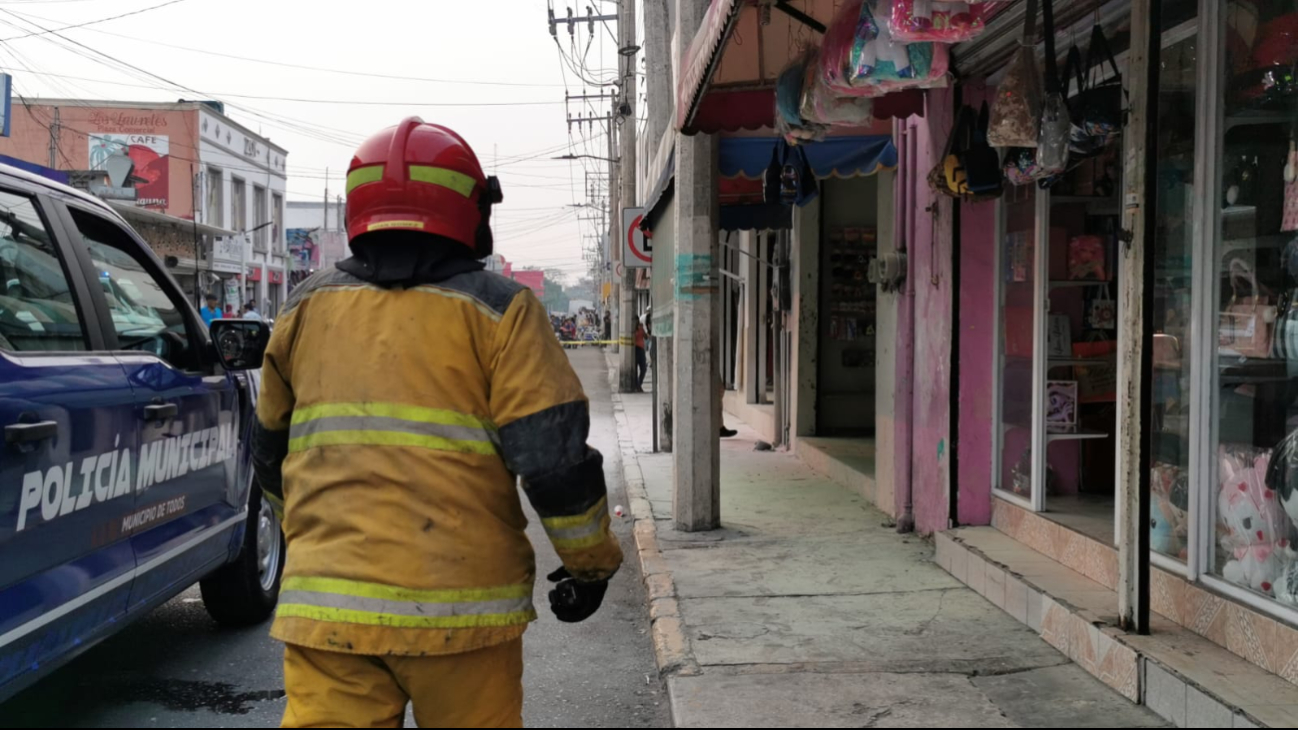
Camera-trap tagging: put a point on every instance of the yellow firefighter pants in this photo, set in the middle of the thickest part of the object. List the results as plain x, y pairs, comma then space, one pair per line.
482, 688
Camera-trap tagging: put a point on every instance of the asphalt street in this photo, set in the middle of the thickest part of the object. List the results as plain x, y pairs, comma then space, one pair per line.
175, 668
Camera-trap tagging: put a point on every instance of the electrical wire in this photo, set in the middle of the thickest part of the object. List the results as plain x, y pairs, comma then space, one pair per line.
303, 67
93, 22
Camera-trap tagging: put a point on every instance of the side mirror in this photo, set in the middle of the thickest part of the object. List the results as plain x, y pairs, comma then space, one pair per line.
240, 343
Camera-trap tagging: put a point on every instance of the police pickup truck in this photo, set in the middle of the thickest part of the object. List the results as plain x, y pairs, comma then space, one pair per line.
125, 474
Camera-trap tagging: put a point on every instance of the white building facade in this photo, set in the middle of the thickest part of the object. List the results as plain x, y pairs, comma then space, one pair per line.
243, 187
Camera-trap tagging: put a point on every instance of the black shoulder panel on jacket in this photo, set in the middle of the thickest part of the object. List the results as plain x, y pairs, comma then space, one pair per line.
317, 281
493, 290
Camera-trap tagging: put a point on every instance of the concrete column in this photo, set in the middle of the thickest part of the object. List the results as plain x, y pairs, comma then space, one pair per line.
696, 472
665, 376
805, 277
627, 170
658, 70
697, 459
752, 318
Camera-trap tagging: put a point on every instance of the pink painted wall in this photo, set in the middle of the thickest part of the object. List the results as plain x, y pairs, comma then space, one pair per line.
924, 220
977, 351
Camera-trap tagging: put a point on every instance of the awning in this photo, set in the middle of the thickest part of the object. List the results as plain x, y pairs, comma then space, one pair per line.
662, 191
144, 215
727, 81
841, 157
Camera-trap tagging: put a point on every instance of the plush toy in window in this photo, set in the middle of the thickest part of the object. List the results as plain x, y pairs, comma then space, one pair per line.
1255, 529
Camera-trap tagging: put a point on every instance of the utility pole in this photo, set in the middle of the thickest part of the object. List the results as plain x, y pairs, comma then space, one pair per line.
55, 129
696, 458
625, 117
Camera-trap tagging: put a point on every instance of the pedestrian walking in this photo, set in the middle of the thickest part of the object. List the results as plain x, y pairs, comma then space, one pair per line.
212, 311
403, 393
641, 361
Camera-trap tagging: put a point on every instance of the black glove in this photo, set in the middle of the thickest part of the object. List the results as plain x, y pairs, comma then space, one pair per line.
572, 600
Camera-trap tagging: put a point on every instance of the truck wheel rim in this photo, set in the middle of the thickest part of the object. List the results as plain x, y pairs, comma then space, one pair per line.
269, 546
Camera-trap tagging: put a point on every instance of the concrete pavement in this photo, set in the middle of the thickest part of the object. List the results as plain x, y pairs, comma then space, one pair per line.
804, 610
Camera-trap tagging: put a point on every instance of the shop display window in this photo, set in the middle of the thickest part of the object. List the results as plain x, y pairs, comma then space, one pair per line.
1254, 304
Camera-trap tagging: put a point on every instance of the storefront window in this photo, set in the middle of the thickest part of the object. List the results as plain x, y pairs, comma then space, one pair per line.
1256, 255
1173, 368
1018, 338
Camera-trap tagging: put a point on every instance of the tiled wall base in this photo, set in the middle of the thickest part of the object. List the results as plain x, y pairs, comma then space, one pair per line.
1253, 636
1183, 677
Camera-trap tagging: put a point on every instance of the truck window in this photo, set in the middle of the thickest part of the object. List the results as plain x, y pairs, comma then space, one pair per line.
147, 314
37, 311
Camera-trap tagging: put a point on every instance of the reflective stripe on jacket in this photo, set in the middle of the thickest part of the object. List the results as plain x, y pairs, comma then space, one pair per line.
392, 425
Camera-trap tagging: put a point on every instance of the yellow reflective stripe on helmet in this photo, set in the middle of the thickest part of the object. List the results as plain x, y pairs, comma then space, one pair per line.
450, 179
419, 414
363, 176
361, 589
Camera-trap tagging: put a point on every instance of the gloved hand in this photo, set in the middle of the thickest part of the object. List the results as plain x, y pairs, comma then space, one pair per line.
572, 600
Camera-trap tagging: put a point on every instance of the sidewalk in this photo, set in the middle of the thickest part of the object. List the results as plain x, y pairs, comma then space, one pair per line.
805, 611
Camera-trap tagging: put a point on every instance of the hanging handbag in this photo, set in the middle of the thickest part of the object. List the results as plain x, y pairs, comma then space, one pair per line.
1102, 314
1285, 338
1056, 122
1080, 144
948, 176
1289, 222
1246, 325
1100, 107
981, 163
1016, 111
1020, 166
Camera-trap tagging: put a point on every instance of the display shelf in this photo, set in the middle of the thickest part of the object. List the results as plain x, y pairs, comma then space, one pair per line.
1083, 361
1063, 283
1077, 436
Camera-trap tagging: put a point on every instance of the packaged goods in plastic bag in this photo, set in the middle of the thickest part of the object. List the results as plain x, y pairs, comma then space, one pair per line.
853, 26
1016, 110
789, 122
939, 22
861, 57
820, 105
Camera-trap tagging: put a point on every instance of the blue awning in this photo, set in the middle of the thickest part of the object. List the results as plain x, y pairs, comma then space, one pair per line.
840, 157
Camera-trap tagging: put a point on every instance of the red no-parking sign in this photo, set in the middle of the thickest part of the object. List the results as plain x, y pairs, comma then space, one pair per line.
637, 248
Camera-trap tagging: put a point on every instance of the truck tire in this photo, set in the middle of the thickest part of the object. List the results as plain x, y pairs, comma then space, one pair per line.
245, 592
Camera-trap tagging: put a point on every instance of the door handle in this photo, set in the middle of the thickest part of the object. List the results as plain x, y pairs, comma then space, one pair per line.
27, 433
160, 411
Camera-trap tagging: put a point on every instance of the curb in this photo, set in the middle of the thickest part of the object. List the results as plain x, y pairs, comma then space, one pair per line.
672, 647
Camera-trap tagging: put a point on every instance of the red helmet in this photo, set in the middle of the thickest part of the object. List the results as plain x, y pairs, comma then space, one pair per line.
421, 177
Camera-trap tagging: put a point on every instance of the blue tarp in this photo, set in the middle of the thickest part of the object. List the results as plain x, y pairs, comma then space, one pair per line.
834, 157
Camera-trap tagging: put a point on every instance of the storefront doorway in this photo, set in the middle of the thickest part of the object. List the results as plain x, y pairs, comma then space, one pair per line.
849, 308
1058, 346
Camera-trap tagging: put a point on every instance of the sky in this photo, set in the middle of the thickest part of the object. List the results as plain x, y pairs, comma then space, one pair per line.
317, 78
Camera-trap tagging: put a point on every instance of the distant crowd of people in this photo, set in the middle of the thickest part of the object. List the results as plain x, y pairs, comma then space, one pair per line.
213, 311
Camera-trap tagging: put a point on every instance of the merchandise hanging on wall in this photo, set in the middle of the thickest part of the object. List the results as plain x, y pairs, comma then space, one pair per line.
939, 22
853, 299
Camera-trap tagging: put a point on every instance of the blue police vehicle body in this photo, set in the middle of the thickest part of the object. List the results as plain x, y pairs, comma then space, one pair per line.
125, 475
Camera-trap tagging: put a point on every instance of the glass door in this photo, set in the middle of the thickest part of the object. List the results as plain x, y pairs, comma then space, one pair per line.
1019, 324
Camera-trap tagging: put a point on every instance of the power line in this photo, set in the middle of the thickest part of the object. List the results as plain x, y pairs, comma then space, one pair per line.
303, 67
92, 22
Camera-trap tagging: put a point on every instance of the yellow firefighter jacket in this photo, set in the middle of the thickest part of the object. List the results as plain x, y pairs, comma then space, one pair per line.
392, 424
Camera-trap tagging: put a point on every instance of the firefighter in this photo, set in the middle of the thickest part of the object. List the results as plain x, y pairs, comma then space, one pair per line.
403, 393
